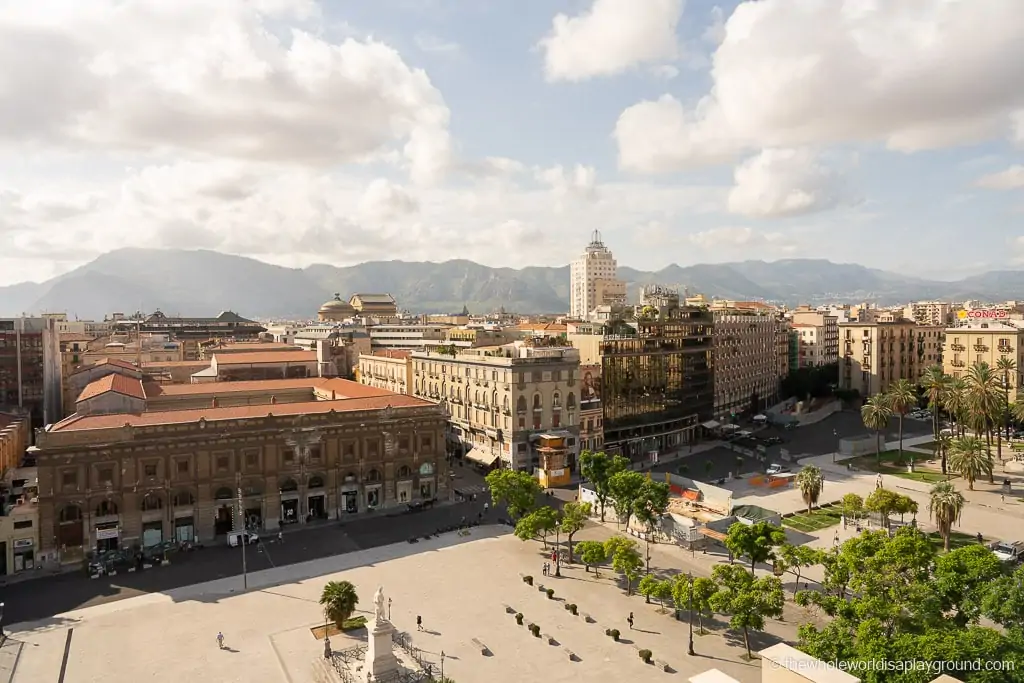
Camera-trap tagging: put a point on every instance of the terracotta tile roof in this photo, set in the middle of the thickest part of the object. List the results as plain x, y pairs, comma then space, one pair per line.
391, 353
255, 347
108, 361
119, 384
349, 389
209, 388
266, 357
176, 364
167, 417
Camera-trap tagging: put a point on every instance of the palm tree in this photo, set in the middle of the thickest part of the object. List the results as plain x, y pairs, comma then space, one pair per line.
935, 383
339, 600
901, 396
984, 403
876, 414
1006, 366
970, 458
955, 402
945, 504
811, 482
942, 442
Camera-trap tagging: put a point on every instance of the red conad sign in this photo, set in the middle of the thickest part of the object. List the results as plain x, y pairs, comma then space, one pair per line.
984, 314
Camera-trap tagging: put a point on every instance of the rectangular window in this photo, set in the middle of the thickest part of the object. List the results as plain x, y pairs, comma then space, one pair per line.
182, 466
69, 478
223, 463
314, 454
372, 448
349, 450
288, 456
105, 475
425, 443
23, 524
149, 469
403, 443
252, 460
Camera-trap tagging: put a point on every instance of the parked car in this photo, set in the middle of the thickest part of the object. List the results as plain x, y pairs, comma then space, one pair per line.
235, 538
776, 468
1008, 551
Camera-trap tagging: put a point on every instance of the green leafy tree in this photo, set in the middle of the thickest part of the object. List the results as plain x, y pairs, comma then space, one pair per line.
625, 559
574, 518
649, 505
756, 542
592, 554
647, 587
598, 469
901, 397
1003, 603
702, 590
875, 414
796, 558
518, 490
624, 488
339, 600
746, 600
970, 457
883, 502
962, 579
945, 505
663, 592
852, 506
537, 524
811, 482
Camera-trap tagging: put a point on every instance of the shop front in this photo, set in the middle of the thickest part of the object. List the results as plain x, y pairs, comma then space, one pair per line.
428, 485
184, 529
316, 498
24, 554
152, 533
107, 536
290, 510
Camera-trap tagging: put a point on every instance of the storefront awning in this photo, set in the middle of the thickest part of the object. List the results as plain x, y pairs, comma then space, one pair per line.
485, 458
710, 424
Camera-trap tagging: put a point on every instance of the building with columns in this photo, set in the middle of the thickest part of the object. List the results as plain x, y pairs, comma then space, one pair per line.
747, 362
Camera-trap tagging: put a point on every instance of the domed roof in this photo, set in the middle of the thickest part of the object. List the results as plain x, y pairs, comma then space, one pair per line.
337, 305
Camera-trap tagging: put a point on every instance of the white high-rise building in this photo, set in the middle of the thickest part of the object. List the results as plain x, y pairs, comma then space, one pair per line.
592, 280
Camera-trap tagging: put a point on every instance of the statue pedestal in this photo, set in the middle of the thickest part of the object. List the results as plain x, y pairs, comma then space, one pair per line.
380, 655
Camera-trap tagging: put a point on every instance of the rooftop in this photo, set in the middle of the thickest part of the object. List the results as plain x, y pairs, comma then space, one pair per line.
119, 384
108, 361
266, 358
208, 388
177, 417
391, 353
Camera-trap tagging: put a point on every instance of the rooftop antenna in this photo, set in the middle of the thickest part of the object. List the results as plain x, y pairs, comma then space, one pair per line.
595, 239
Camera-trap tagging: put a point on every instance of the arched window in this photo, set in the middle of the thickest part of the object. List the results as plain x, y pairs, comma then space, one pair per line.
556, 401
224, 493
184, 498
570, 401
152, 501
444, 388
105, 508
288, 484
70, 513
373, 476
416, 386
316, 482
404, 472
494, 399
485, 399
476, 397
537, 404
521, 405
505, 404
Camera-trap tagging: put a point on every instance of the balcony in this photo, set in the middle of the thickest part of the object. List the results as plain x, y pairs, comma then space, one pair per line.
958, 347
980, 347
957, 363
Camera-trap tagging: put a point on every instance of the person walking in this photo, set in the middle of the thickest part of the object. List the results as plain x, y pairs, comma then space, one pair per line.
486, 507
419, 623
220, 640
280, 536
629, 620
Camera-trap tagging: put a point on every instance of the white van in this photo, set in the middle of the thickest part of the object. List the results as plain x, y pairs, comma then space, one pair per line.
235, 538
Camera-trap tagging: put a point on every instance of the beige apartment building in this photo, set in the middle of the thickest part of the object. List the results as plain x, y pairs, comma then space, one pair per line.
503, 401
984, 342
929, 312
387, 369
746, 361
818, 334
591, 413
876, 354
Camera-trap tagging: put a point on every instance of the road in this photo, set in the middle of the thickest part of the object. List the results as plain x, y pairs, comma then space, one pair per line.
44, 597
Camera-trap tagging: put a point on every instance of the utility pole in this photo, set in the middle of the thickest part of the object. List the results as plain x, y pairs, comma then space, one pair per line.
689, 648
245, 531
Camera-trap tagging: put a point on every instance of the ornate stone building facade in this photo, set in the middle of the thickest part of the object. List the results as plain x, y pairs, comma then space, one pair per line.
120, 480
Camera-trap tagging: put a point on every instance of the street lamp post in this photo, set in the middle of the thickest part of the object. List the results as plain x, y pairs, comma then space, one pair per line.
835, 453
244, 540
2, 634
442, 665
689, 647
558, 549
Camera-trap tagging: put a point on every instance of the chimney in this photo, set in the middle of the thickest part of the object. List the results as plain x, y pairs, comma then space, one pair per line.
273, 400
213, 403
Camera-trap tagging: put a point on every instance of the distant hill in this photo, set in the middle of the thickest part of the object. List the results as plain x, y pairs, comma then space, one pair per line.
201, 283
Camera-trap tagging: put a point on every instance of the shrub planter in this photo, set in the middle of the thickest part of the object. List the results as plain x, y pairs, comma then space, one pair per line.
519, 618
528, 580
646, 656
572, 608
550, 592
535, 630
614, 633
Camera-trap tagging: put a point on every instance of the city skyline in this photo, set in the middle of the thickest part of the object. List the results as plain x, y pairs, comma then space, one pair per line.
286, 133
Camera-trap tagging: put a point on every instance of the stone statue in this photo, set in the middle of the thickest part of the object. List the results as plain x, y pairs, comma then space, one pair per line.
378, 602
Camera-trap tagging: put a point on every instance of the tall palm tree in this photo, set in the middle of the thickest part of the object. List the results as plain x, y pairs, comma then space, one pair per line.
935, 383
984, 403
942, 442
876, 414
339, 600
810, 482
945, 504
901, 397
970, 458
1006, 366
955, 402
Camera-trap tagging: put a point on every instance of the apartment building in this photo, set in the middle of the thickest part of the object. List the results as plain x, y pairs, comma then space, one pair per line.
818, 336
386, 369
15, 437
30, 367
408, 336
937, 313
591, 414
746, 362
593, 280
876, 354
502, 400
190, 332
979, 340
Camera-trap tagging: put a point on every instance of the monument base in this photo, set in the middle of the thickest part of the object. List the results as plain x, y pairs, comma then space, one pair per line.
380, 655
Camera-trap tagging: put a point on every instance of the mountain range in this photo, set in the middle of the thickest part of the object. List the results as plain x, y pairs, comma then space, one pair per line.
202, 283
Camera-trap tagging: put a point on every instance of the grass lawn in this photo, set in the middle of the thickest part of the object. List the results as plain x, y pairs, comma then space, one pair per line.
820, 518
929, 446
889, 466
956, 540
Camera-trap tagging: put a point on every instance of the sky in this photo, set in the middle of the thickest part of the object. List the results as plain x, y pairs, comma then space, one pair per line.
889, 134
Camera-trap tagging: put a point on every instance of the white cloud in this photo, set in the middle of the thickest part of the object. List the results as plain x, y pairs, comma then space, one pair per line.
743, 237
611, 37
383, 200
1009, 179
665, 71
428, 42
785, 182
213, 80
714, 34
791, 73
579, 182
